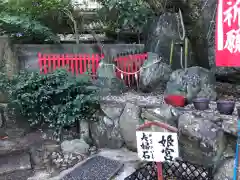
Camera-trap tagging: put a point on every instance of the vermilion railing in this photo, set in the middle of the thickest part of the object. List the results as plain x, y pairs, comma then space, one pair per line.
127, 66
77, 63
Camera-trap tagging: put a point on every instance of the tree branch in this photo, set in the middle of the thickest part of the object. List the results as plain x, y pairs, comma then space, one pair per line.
159, 6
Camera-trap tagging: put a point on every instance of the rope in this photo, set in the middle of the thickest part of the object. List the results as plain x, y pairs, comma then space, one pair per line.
211, 23
181, 57
182, 36
132, 73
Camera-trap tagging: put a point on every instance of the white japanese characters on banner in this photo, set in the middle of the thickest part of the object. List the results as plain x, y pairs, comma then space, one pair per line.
228, 33
157, 146
231, 16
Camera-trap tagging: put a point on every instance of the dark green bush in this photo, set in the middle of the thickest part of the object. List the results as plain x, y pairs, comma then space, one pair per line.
57, 99
5, 83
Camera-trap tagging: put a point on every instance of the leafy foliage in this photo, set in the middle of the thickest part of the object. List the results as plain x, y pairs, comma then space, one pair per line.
58, 99
5, 83
125, 14
36, 9
27, 17
28, 27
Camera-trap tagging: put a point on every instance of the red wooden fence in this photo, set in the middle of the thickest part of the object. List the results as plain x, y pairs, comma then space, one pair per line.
127, 66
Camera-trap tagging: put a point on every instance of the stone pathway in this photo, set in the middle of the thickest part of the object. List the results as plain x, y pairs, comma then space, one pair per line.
17, 175
29, 155
15, 159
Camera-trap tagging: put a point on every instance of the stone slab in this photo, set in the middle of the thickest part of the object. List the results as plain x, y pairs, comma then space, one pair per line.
18, 175
14, 162
98, 167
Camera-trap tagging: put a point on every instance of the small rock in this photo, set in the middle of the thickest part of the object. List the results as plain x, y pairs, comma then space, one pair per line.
76, 146
107, 80
128, 122
62, 161
106, 133
192, 82
156, 72
84, 131
113, 110
40, 153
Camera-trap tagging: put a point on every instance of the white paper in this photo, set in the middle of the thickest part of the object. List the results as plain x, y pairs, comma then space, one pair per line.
150, 148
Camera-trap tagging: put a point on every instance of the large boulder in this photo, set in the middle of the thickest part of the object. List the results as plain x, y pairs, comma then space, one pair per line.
165, 113
201, 141
9, 63
108, 81
154, 73
161, 32
192, 82
129, 120
112, 110
106, 133
225, 170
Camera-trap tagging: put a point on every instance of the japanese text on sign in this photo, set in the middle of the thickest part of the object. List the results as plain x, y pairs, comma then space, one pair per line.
157, 146
231, 17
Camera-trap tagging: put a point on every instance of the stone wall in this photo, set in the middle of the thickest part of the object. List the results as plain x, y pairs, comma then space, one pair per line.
206, 138
27, 53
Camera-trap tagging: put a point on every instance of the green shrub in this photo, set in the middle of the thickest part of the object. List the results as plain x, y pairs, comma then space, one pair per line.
5, 83
57, 99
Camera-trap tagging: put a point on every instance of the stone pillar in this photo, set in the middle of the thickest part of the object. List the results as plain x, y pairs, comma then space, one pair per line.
8, 58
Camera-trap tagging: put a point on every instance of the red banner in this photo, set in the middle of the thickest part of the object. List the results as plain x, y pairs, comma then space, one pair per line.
228, 33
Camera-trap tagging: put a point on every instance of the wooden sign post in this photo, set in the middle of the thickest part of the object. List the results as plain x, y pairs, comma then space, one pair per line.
157, 146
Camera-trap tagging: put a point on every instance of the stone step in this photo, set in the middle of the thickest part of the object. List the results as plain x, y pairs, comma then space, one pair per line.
18, 175
20, 144
14, 162
142, 100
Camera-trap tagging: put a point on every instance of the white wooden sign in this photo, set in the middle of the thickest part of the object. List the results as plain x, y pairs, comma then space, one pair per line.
157, 146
